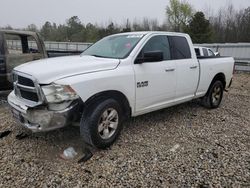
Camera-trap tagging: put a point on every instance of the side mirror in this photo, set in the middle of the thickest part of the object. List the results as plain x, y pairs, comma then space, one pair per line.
150, 57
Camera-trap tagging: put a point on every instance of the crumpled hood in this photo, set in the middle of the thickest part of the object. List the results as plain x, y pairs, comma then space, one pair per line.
52, 69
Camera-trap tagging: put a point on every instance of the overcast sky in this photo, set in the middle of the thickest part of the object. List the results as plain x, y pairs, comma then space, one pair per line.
20, 13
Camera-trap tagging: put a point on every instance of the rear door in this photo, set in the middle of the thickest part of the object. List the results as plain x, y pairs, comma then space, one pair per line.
187, 68
155, 81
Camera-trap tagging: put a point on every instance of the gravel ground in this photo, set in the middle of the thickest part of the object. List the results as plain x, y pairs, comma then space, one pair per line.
182, 146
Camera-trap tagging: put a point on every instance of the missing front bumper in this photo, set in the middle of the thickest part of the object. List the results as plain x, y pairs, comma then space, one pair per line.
41, 119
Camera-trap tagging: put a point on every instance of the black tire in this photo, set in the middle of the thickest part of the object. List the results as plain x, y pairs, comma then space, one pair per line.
214, 95
91, 119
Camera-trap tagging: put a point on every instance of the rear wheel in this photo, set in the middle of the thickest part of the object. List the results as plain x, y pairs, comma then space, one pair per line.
101, 123
214, 95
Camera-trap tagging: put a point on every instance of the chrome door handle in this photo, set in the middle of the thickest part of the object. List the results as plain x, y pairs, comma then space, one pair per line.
193, 67
169, 70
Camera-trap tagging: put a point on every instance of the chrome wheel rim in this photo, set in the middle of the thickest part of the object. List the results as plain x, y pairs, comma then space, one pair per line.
108, 123
216, 95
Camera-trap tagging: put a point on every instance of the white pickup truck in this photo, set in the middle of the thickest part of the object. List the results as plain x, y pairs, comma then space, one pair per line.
120, 76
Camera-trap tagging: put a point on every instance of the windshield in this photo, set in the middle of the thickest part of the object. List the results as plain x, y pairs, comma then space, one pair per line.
116, 46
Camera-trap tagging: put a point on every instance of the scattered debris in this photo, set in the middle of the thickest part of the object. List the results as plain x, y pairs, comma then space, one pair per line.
21, 136
68, 153
4, 134
176, 146
2, 101
203, 185
87, 171
87, 155
215, 155
218, 144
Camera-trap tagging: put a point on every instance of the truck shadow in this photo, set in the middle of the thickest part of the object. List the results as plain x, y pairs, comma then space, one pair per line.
59, 140
53, 143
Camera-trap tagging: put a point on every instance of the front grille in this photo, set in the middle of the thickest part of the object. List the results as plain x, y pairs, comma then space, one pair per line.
25, 81
29, 95
26, 88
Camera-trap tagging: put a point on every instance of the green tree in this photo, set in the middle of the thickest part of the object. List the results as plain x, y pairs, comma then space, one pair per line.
92, 33
61, 33
74, 29
112, 29
178, 14
199, 29
46, 31
74, 23
244, 25
32, 27
127, 27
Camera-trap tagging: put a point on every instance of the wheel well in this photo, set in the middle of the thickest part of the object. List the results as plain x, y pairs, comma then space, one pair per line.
221, 77
117, 95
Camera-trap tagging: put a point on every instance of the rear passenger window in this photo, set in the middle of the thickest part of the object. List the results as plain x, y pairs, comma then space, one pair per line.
205, 52
158, 43
179, 47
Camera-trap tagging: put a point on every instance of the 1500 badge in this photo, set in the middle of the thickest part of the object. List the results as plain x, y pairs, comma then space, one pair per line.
142, 84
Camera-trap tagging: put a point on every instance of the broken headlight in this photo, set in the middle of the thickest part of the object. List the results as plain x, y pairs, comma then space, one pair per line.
56, 93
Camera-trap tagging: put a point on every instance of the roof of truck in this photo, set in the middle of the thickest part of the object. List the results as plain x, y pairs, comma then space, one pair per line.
152, 32
17, 32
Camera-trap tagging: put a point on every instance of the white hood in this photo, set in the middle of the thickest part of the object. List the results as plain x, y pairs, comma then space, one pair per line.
52, 69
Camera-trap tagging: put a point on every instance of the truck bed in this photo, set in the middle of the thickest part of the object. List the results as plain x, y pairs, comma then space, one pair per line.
210, 66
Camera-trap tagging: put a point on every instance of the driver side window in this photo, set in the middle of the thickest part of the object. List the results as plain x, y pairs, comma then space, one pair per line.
158, 43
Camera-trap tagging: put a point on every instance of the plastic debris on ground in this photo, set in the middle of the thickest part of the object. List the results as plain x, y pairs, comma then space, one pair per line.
176, 146
68, 153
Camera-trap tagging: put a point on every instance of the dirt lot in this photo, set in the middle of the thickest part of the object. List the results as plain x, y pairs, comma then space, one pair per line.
183, 146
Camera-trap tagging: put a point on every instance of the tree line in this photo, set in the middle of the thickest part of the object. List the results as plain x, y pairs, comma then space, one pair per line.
227, 25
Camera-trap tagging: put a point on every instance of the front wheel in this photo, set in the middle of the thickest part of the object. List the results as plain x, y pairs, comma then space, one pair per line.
101, 124
214, 95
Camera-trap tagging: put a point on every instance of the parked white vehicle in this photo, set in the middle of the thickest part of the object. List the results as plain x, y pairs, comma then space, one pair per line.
205, 52
120, 76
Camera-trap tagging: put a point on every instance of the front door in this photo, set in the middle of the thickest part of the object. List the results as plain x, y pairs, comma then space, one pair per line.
155, 81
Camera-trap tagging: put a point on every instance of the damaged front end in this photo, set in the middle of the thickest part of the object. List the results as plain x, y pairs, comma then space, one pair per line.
43, 108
